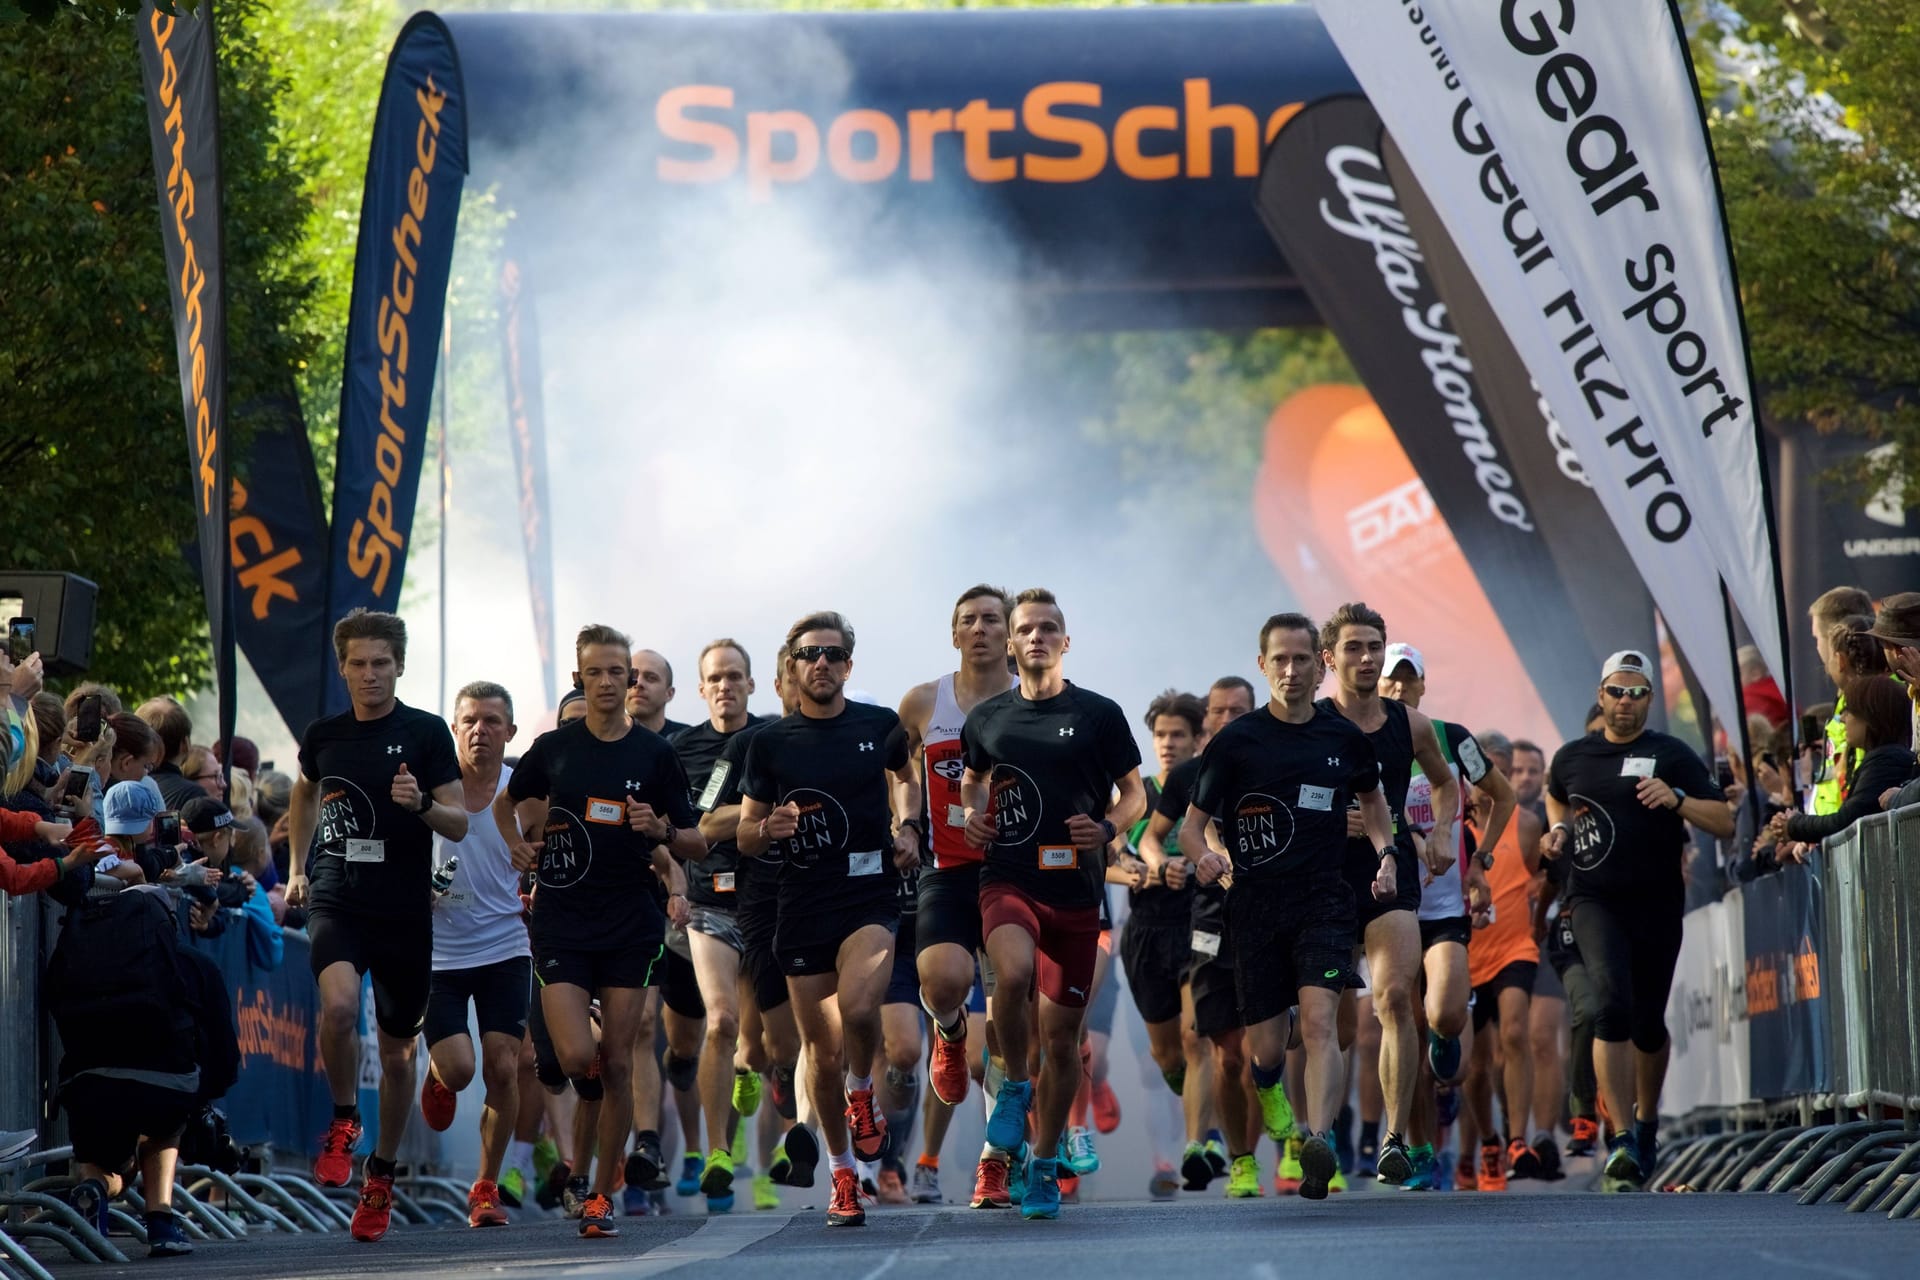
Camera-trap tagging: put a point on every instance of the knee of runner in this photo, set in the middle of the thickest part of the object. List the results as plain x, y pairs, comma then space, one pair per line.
1313, 1024
723, 1028
1513, 1037
343, 1014
1169, 1057
396, 1053
682, 1073
1650, 1036
1612, 1022
456, 1076
1393, 1000
1230, 1056
904, 1057
500, 1072
1448, 1022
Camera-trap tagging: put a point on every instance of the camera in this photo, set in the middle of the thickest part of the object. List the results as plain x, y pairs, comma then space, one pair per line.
206, 1141
166, 828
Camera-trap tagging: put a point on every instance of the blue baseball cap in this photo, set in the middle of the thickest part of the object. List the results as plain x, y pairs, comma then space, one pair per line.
130, 808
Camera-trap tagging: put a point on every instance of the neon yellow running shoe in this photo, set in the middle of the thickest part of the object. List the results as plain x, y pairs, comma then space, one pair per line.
765, 1195
1287, 1178
1243, 1180
717, 1180
746, 1091
1276, 1113
1338, 1182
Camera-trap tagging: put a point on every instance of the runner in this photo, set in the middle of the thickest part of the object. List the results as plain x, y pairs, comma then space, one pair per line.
1228, 698
377, 783
480, 953
651, 691
1620, 801
610, 800
901, 1047
1553, 922
1042, 761
1353, 643
947, 924
816, 789
1282, 781
1453, 903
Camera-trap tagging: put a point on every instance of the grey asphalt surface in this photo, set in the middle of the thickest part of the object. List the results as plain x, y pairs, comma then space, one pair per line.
1377, 1234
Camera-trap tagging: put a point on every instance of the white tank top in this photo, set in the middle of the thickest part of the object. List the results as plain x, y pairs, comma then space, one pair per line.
1441, 898
479, 921
946, 812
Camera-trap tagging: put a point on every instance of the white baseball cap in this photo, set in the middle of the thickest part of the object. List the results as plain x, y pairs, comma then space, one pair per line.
1631, 660
1399, 653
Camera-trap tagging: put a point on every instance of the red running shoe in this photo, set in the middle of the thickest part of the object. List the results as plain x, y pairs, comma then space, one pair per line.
483, 1206
596, 1219
866, 1125
375, 1210
1106, 1108
990, 1185
948, 1074
844, 1209
334, 1165
437, 1103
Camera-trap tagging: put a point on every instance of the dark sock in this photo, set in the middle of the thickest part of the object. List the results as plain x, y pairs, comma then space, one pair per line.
377, 1167
1369, 1135
349, 1112
1645, 1134
1267, 1077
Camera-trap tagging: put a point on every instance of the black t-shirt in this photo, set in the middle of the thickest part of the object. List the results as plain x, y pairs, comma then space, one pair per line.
1619, 849
596, 880
713, 881
1156, 904
1393, 752
370, 857
1048, 760
1207, 905
671, 729
836, 771
756, 879
1281, 790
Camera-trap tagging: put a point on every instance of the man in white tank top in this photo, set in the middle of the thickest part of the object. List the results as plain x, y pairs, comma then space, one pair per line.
480, 952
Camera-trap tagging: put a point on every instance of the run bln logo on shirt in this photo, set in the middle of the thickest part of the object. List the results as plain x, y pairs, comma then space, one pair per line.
1262, 830
346, 817
822, 831
567, 855
1592, 832
1016, 805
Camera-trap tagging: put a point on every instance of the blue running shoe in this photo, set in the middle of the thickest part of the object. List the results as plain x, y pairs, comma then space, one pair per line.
1623, 1171
1043, 1190
1425, 1175
720, 1204
1446, 1100
1017, 1176
1443, 1055
691, 1170
166, 1238
1007, 1127
89, 1200
635, 1202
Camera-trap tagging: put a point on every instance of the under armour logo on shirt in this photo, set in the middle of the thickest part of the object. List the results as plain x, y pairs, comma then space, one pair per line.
1067, 732
634, 786
395, 750
1333, 762
866, 746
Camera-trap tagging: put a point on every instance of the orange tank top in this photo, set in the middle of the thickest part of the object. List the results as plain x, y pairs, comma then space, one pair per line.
1510, 936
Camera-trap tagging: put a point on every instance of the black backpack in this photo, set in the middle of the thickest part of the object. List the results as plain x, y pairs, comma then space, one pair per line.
116, 990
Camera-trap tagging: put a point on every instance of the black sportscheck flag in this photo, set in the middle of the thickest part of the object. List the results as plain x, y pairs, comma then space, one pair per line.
1611, 606
178, 67
1326, 199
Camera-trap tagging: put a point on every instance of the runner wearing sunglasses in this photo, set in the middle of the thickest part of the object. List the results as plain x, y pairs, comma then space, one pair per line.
1620, 800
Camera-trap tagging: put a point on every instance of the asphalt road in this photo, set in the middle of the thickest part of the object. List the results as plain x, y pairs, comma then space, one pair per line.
1379, 1233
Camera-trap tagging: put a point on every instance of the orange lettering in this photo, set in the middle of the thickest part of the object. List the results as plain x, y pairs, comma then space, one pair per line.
1203, 119
978, 123
670, 114
367, 554
922, 128
1278, 120
1037, 113
1127, 154
763, 171
886, 146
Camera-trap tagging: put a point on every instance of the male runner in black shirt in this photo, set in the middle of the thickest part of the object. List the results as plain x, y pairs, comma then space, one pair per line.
817, 791
1042, 764
1281, 782
376, 782
610, 800
1621, 800
1353, 643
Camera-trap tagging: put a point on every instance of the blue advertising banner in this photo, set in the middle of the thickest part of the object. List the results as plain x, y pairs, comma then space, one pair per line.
1785, 940
281, 1094
416, 168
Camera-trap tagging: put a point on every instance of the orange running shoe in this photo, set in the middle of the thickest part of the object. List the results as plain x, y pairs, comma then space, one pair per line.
1493, 1167
374, 1213
890, 1187
990, 1185
437, 1103
844, 1209
866, 1125
596, 1219
1586, 1137
334, 1165
1466, 1174
1521, 1160
948, 1072
483, 1206
1106, 1108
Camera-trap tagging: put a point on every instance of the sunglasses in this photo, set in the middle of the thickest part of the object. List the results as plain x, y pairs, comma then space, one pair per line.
1632, 693
807, 653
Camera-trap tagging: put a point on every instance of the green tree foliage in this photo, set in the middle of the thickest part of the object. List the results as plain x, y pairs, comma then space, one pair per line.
92, 441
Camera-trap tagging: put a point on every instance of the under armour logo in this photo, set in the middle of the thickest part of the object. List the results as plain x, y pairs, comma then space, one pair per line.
395, 750
1333, 762
866, 746
633, 786
1067, 732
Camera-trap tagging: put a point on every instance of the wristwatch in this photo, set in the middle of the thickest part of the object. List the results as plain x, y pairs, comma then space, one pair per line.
668, 838
426, 802
1106, 825
1679, 798
1485, 858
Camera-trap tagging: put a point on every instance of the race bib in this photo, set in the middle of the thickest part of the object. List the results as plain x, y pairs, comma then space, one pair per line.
1206, 944
715, 782
956, 815
366, 851
1317, 798
1059, 857
1637, 767
864, 864
723, 882
609, 812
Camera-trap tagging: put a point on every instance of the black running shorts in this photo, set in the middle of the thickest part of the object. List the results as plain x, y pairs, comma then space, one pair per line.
949, 908
398, 956
1156, 956
499, 993
1285, 935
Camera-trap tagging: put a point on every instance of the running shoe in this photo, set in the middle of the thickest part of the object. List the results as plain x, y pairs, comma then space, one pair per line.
374, 1213
1623, 1171
1366, 1161
802, 1151
947, 1072
1243, 1180
1106, 1107
1017, 1175
646, 1167
1164, 1184
717, 1205
513, 1188
1042, 1199
1343, 1140
1466, 1174
746, 1091
483, 1206
1317, 1167
1196, 1168
926, 1183
1586, 1137
1395, 1165
1547, 1152
1082, 1158
1442, 1171
636, 1202
765, 1195
89, 1199
334, 1165
1521, 1159
1276, 1113
596, 1219
166, 1238
865, 1125
891, 1187
553, 1187
546, 1154
717, 1180
1069, 1182
844, 1209
1446, 1106
1493, 1167
1216, 1149
1287, 1177
1176, 1078
1007, 1126
1443, 1055
990, 1185
780, 1093
1425, 1175
691, 1169
1338, 1182
437, 1102
573, 1201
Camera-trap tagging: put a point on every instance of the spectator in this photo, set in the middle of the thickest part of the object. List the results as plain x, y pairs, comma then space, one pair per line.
128, 823
239, 796
109, 700
1878, 723
174, 726
1898, 632
205, 773
1828, 612
210, 827
270, 801
136, 751
1759, 689
253, 854
245, 756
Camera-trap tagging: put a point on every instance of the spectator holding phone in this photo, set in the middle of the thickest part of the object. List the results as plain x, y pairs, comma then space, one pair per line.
1878, 726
